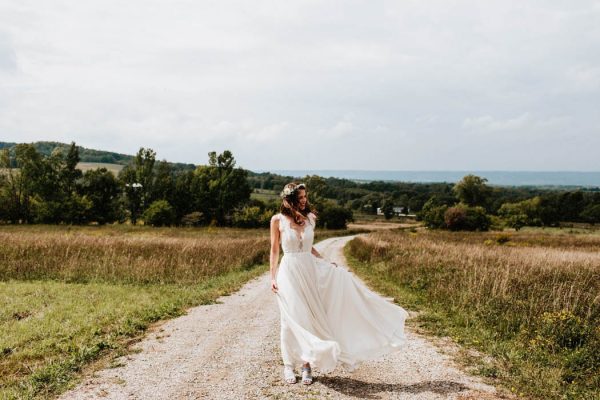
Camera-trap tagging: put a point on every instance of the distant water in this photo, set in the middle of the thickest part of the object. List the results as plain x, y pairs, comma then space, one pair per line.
500, 178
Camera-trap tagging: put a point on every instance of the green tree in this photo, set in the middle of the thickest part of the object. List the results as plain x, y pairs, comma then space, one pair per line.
137, 180
59, 200
333, 216
144, 173
591, 213
523, 213
514, 215
164, 184
133, 193
388, 208
103, 190
571, 205
472, 191
23, 176
69, 172
317, 187
219, 188
432, 213
181, 197
159, 213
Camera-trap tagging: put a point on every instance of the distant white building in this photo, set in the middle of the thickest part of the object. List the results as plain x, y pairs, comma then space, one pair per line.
397, 211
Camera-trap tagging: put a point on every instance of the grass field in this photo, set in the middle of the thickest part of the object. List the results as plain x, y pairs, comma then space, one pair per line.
114, 168
75, 297
265, 195
530, 299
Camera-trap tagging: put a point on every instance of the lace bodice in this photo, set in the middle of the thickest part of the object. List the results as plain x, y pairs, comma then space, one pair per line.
294, 238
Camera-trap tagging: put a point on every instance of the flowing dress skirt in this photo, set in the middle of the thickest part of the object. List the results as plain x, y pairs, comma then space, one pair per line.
328, 317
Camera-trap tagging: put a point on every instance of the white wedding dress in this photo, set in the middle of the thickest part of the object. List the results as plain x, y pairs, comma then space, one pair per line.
328, 317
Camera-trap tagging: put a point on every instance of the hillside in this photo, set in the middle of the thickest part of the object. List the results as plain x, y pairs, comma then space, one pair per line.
92, 155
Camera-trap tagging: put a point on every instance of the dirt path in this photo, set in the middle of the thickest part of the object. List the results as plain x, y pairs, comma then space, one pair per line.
231, 351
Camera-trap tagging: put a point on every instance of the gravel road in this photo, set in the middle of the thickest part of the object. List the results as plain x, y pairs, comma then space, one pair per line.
230, 350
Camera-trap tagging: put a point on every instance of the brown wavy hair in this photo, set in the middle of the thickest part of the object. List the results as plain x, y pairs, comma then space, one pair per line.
290, 203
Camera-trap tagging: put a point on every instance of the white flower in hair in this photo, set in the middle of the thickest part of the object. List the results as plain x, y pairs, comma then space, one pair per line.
287, 191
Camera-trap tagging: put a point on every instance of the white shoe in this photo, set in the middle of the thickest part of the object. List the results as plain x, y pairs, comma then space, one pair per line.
289, 374
307, 375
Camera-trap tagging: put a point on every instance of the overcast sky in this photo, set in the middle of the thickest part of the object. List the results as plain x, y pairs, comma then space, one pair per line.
394, 85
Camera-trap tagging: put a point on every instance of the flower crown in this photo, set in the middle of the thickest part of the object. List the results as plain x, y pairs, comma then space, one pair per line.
288, 191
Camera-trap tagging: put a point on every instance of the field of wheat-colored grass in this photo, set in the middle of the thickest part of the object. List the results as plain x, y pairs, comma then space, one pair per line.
86, 166
531, 299
83, 257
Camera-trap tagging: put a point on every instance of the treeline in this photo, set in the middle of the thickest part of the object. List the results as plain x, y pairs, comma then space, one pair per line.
472, 208
51, 189
369, 196
40, 183
87, 155
38, 188
516, 206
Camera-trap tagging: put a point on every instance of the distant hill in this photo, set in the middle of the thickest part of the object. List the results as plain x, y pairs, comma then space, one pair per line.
91, 155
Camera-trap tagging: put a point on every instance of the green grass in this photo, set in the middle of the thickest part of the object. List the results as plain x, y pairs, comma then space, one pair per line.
50, 330
265, 195
71, 297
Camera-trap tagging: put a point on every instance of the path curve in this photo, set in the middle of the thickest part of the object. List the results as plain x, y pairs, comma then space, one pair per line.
230, 350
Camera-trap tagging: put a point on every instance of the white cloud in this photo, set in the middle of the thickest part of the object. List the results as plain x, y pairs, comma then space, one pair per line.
341, 129
522, 124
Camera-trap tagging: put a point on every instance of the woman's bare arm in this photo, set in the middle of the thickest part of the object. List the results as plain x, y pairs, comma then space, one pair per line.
274, 256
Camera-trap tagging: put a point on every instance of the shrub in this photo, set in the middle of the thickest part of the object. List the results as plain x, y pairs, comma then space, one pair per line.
160, 213
251, 217
463, 217
524, 213
477, 219
432, 214
455, 218
332, 216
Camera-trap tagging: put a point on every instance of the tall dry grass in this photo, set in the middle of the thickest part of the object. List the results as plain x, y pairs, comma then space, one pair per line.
539, 291
102, 256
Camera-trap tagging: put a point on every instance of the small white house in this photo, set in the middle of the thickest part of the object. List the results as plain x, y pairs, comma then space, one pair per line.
397, 211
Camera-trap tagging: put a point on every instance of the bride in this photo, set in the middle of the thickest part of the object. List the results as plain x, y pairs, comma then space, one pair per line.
328, 317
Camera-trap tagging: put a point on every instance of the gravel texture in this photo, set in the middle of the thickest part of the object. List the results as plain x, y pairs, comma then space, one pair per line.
230, 350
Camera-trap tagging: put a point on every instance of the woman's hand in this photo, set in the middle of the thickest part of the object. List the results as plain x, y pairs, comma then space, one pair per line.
274, 287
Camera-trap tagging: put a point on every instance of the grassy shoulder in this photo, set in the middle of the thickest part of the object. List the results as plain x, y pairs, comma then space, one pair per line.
523, 306
50, 330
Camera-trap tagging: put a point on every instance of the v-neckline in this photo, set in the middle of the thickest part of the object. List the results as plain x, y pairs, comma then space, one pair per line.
299, 233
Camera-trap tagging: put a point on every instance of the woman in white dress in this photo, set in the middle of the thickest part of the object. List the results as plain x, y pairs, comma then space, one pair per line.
328, 317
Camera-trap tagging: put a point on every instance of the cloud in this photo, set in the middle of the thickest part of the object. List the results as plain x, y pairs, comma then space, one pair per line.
249, 130
584, 78
8, 58
341, 129
434, 81
522, 124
